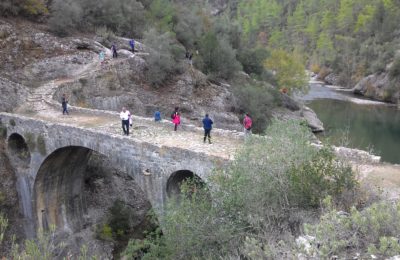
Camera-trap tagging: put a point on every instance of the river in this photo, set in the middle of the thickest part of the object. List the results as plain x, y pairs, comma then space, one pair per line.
355, 122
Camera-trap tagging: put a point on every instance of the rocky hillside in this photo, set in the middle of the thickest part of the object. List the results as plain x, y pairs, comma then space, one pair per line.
30, 57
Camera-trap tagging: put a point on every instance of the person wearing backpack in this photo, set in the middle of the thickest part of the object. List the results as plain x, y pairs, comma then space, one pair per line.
207, 125
176, 118
247, 123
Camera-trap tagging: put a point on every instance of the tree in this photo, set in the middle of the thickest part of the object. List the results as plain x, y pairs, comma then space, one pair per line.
289, 70
162, 63
218, 57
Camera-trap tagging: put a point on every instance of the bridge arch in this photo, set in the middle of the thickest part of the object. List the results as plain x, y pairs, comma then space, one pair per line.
177, 178
18, 150
75, 187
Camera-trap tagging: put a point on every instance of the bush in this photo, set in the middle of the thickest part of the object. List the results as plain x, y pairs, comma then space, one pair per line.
394, 71
255, 204
125, 17
163, 60
321, 176
28, 7
218, 57
258, 100
65, 15
252, 60
374, 230
289, 69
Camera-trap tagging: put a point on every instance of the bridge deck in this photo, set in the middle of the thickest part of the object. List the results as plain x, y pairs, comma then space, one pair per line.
224, 143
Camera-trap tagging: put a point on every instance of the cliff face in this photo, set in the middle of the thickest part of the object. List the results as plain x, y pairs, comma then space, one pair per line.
379, 87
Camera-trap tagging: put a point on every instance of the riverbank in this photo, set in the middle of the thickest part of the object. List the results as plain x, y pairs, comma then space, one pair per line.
348, 95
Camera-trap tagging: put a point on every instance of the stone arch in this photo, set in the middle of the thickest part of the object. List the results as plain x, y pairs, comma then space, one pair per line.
75, 188
18, 150
177, 178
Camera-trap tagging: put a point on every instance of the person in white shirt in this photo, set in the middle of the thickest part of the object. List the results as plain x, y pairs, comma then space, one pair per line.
125, 116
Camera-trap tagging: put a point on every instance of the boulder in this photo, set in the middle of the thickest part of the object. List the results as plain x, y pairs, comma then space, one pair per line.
332, 79
376, 86
11, 94
312, 120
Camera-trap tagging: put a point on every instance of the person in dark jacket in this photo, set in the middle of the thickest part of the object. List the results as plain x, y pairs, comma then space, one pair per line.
207, 125
64, 104
114, 51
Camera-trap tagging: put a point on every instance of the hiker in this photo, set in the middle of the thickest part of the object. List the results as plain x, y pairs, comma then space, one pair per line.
114, 51
157, 116
190, 59
125, 117
247, 123
132, 44
176, 118
64, 104
101, 57
207, 125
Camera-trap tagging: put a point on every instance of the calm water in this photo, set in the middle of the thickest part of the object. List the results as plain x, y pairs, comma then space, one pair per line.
366, 127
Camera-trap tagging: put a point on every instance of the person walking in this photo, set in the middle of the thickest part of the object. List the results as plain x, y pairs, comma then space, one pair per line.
114, 51
207, 125
64, 104
101, 57
176, 118
125, 117
247, 123
157, 116
132, 44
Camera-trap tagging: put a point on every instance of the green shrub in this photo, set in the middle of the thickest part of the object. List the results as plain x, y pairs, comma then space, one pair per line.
255, 203
105, 34
252, 60
27, 7
65, 16
258, 100
125, 17
374, 230
163, 60
104, 232
319, 177
218, 57
394, 71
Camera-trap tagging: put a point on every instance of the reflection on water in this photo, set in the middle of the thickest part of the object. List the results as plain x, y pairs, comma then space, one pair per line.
361, 126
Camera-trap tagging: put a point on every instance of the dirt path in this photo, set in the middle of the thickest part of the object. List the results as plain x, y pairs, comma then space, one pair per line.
40, 105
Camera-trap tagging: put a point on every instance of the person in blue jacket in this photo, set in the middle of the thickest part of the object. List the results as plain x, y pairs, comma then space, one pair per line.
132, 44
207, 125
157, 116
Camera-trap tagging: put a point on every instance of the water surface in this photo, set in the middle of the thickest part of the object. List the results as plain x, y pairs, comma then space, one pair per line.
366, 127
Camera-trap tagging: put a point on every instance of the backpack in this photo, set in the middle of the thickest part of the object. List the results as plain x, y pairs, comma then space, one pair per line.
173, 115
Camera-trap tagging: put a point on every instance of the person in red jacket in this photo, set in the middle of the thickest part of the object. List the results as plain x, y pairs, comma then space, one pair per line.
247, 123
176, 118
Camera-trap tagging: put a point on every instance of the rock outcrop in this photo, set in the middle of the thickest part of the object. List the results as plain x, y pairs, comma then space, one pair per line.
378, 87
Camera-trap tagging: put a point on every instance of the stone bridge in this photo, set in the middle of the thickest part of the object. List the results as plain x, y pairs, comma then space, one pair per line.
50, 158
